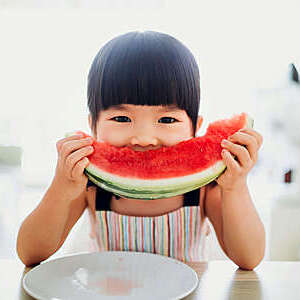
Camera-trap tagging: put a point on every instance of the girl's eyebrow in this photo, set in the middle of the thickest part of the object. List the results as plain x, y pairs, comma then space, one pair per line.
164, 108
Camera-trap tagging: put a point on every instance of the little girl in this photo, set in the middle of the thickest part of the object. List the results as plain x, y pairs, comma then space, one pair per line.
144, 93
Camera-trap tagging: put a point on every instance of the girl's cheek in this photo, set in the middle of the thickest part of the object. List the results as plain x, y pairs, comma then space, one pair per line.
171, 141
114, 137
174, 137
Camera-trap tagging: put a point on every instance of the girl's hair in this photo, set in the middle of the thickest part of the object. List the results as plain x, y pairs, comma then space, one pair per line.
144, 68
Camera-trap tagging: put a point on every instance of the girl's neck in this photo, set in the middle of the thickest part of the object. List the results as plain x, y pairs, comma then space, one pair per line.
146, 208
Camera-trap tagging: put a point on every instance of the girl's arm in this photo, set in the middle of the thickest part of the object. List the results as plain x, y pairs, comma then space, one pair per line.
43, 232
238, 227
229, 205
243, 231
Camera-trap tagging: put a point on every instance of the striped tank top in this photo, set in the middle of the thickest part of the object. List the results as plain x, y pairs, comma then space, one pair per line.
180, 234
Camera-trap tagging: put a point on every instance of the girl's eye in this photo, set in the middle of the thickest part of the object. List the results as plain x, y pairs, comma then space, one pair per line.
120, 118
168, 120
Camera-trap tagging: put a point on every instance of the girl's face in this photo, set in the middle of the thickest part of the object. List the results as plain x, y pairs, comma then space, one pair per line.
143, 127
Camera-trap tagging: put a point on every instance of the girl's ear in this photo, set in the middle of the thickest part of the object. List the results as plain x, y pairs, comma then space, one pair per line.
90, 121
199, 122
90, 124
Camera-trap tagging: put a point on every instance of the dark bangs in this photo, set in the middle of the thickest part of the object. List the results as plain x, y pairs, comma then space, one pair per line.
144, 68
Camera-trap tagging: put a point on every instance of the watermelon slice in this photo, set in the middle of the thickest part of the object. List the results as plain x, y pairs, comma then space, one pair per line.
163, 172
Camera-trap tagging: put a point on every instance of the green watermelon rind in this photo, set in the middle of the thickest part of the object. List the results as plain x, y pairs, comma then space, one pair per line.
144, 186
250, 122
152, 196
161, 189
155, 194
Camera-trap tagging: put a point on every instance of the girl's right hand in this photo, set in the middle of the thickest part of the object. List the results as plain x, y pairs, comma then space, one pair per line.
69, 178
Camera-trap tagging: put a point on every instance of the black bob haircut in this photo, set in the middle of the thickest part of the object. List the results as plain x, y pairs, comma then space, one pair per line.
144, 68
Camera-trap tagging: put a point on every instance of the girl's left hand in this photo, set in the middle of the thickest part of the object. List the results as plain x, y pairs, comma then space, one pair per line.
244, 144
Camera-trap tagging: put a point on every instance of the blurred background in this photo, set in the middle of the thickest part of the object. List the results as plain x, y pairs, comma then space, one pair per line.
248, 54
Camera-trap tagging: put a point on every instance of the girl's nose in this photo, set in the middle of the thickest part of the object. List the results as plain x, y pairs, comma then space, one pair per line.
144, 141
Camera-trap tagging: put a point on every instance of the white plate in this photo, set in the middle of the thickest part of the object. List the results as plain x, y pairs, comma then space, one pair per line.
111, 275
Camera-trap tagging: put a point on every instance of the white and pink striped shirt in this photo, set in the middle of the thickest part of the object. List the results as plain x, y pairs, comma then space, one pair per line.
180, 234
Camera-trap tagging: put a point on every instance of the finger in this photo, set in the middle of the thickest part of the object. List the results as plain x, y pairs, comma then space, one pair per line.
231, 164
249, 141
71, 146
76, 156
69, 138
79, 167
257, 135
240, 152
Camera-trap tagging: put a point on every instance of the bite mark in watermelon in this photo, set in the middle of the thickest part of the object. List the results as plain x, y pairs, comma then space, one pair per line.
163, 172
